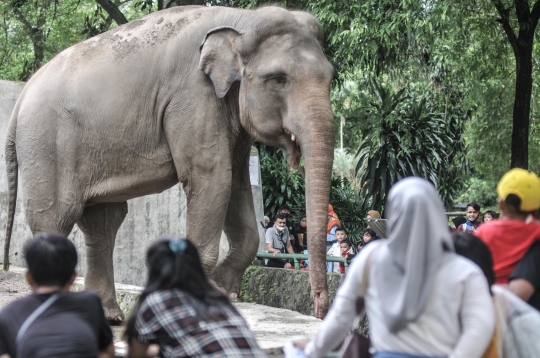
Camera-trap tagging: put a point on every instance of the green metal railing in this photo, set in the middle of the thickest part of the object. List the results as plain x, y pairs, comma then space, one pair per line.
297, 257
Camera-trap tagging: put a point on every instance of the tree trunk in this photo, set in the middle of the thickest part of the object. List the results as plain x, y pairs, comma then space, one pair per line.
522, 104
113, 11
522, 46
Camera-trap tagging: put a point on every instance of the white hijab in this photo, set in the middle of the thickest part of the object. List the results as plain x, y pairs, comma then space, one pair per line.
406, 265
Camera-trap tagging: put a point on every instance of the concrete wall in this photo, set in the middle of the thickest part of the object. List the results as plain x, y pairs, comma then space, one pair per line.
149, 217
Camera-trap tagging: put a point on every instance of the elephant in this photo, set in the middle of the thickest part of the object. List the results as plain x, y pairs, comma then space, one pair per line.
177, 96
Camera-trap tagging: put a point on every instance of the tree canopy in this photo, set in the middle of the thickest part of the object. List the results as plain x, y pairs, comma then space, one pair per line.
441, 89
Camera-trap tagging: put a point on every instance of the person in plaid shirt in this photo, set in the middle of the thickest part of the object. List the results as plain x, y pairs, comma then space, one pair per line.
182, 312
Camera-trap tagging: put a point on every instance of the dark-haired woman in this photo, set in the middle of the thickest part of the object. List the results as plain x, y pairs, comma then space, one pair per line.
301, 232
182, 312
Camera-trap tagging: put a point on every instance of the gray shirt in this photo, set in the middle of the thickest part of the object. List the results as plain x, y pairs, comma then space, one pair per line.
278, 240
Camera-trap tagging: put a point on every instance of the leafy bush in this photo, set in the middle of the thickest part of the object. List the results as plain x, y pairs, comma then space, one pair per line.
484, 192
344, 198
281, 185
406, 135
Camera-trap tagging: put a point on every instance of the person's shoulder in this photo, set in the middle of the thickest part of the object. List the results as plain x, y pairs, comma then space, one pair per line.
17, 306
86, 298
491, 227
161, 298
459, 267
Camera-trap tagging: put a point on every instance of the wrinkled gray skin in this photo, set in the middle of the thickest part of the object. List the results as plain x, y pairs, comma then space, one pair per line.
176, 96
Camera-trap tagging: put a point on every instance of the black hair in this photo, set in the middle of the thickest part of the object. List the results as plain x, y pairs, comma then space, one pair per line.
514, 202
474, 205
471, 247
493, 214
174, 263
282, 216
51, 259
459, 220
372, 233
341, 229
346, 242
285, 207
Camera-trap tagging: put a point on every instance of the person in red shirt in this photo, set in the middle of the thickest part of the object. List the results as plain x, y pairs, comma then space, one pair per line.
512, 236
345, 248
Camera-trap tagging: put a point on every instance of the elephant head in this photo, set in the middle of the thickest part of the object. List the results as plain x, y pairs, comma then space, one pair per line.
284, 101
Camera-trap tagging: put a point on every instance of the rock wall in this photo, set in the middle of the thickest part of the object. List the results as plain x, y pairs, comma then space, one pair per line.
149, 217
288, 289
284, 288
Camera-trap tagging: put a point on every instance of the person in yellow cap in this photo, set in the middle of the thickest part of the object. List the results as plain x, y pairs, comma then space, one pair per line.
512, 236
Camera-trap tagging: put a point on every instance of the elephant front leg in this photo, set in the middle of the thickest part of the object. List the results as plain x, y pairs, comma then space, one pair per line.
100, 223
207, 200
242, 234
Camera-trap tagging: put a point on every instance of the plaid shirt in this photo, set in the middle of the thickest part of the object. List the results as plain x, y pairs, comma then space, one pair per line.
185, 327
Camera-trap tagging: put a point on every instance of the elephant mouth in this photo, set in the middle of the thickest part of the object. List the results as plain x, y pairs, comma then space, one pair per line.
294, 150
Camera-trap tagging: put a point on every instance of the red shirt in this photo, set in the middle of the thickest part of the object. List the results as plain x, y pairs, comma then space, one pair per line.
341, 264
508, 240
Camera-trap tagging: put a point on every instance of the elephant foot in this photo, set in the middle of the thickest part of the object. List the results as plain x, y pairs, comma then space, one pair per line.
114, 314
228, 280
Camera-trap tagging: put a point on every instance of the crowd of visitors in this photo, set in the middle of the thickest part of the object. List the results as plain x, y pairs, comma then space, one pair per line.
297, 236
472, 291
429, 292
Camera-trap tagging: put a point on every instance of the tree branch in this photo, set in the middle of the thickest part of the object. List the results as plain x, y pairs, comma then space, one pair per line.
535, 13
523, 11
505, 22
27, 25
113, 11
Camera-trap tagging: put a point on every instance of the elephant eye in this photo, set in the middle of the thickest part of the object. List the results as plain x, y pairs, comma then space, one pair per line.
276, 81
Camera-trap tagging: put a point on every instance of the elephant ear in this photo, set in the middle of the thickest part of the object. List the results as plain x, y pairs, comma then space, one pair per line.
220, 58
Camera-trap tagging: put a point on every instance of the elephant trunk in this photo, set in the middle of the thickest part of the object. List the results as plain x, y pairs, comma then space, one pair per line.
317, 145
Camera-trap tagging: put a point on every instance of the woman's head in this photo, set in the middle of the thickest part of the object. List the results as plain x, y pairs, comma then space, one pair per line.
459, 220
369, 235
373, 214
406, 265
303, 220
175, 263
471, 247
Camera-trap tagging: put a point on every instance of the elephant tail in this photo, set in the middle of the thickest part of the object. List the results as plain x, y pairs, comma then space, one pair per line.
12, 175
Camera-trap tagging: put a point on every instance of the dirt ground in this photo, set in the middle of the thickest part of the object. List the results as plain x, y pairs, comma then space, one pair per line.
12, 286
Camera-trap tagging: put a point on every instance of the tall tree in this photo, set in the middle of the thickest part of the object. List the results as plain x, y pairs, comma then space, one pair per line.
522, 45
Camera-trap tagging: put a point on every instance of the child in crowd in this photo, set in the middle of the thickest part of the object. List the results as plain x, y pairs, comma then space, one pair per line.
512, 236
458, 220
473, 219
345, 248
490, 215
341, 235
369, 235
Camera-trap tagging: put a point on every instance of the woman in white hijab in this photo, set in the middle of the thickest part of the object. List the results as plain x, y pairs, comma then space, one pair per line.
422, 299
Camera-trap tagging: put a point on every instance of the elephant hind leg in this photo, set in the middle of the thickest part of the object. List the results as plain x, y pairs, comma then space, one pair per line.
100, 223
241, 230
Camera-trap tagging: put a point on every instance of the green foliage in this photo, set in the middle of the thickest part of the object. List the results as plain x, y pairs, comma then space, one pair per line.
280, 184
405, 135
483, 192
344, 198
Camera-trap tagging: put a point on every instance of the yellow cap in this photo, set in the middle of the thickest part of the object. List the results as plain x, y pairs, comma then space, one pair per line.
523, 184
